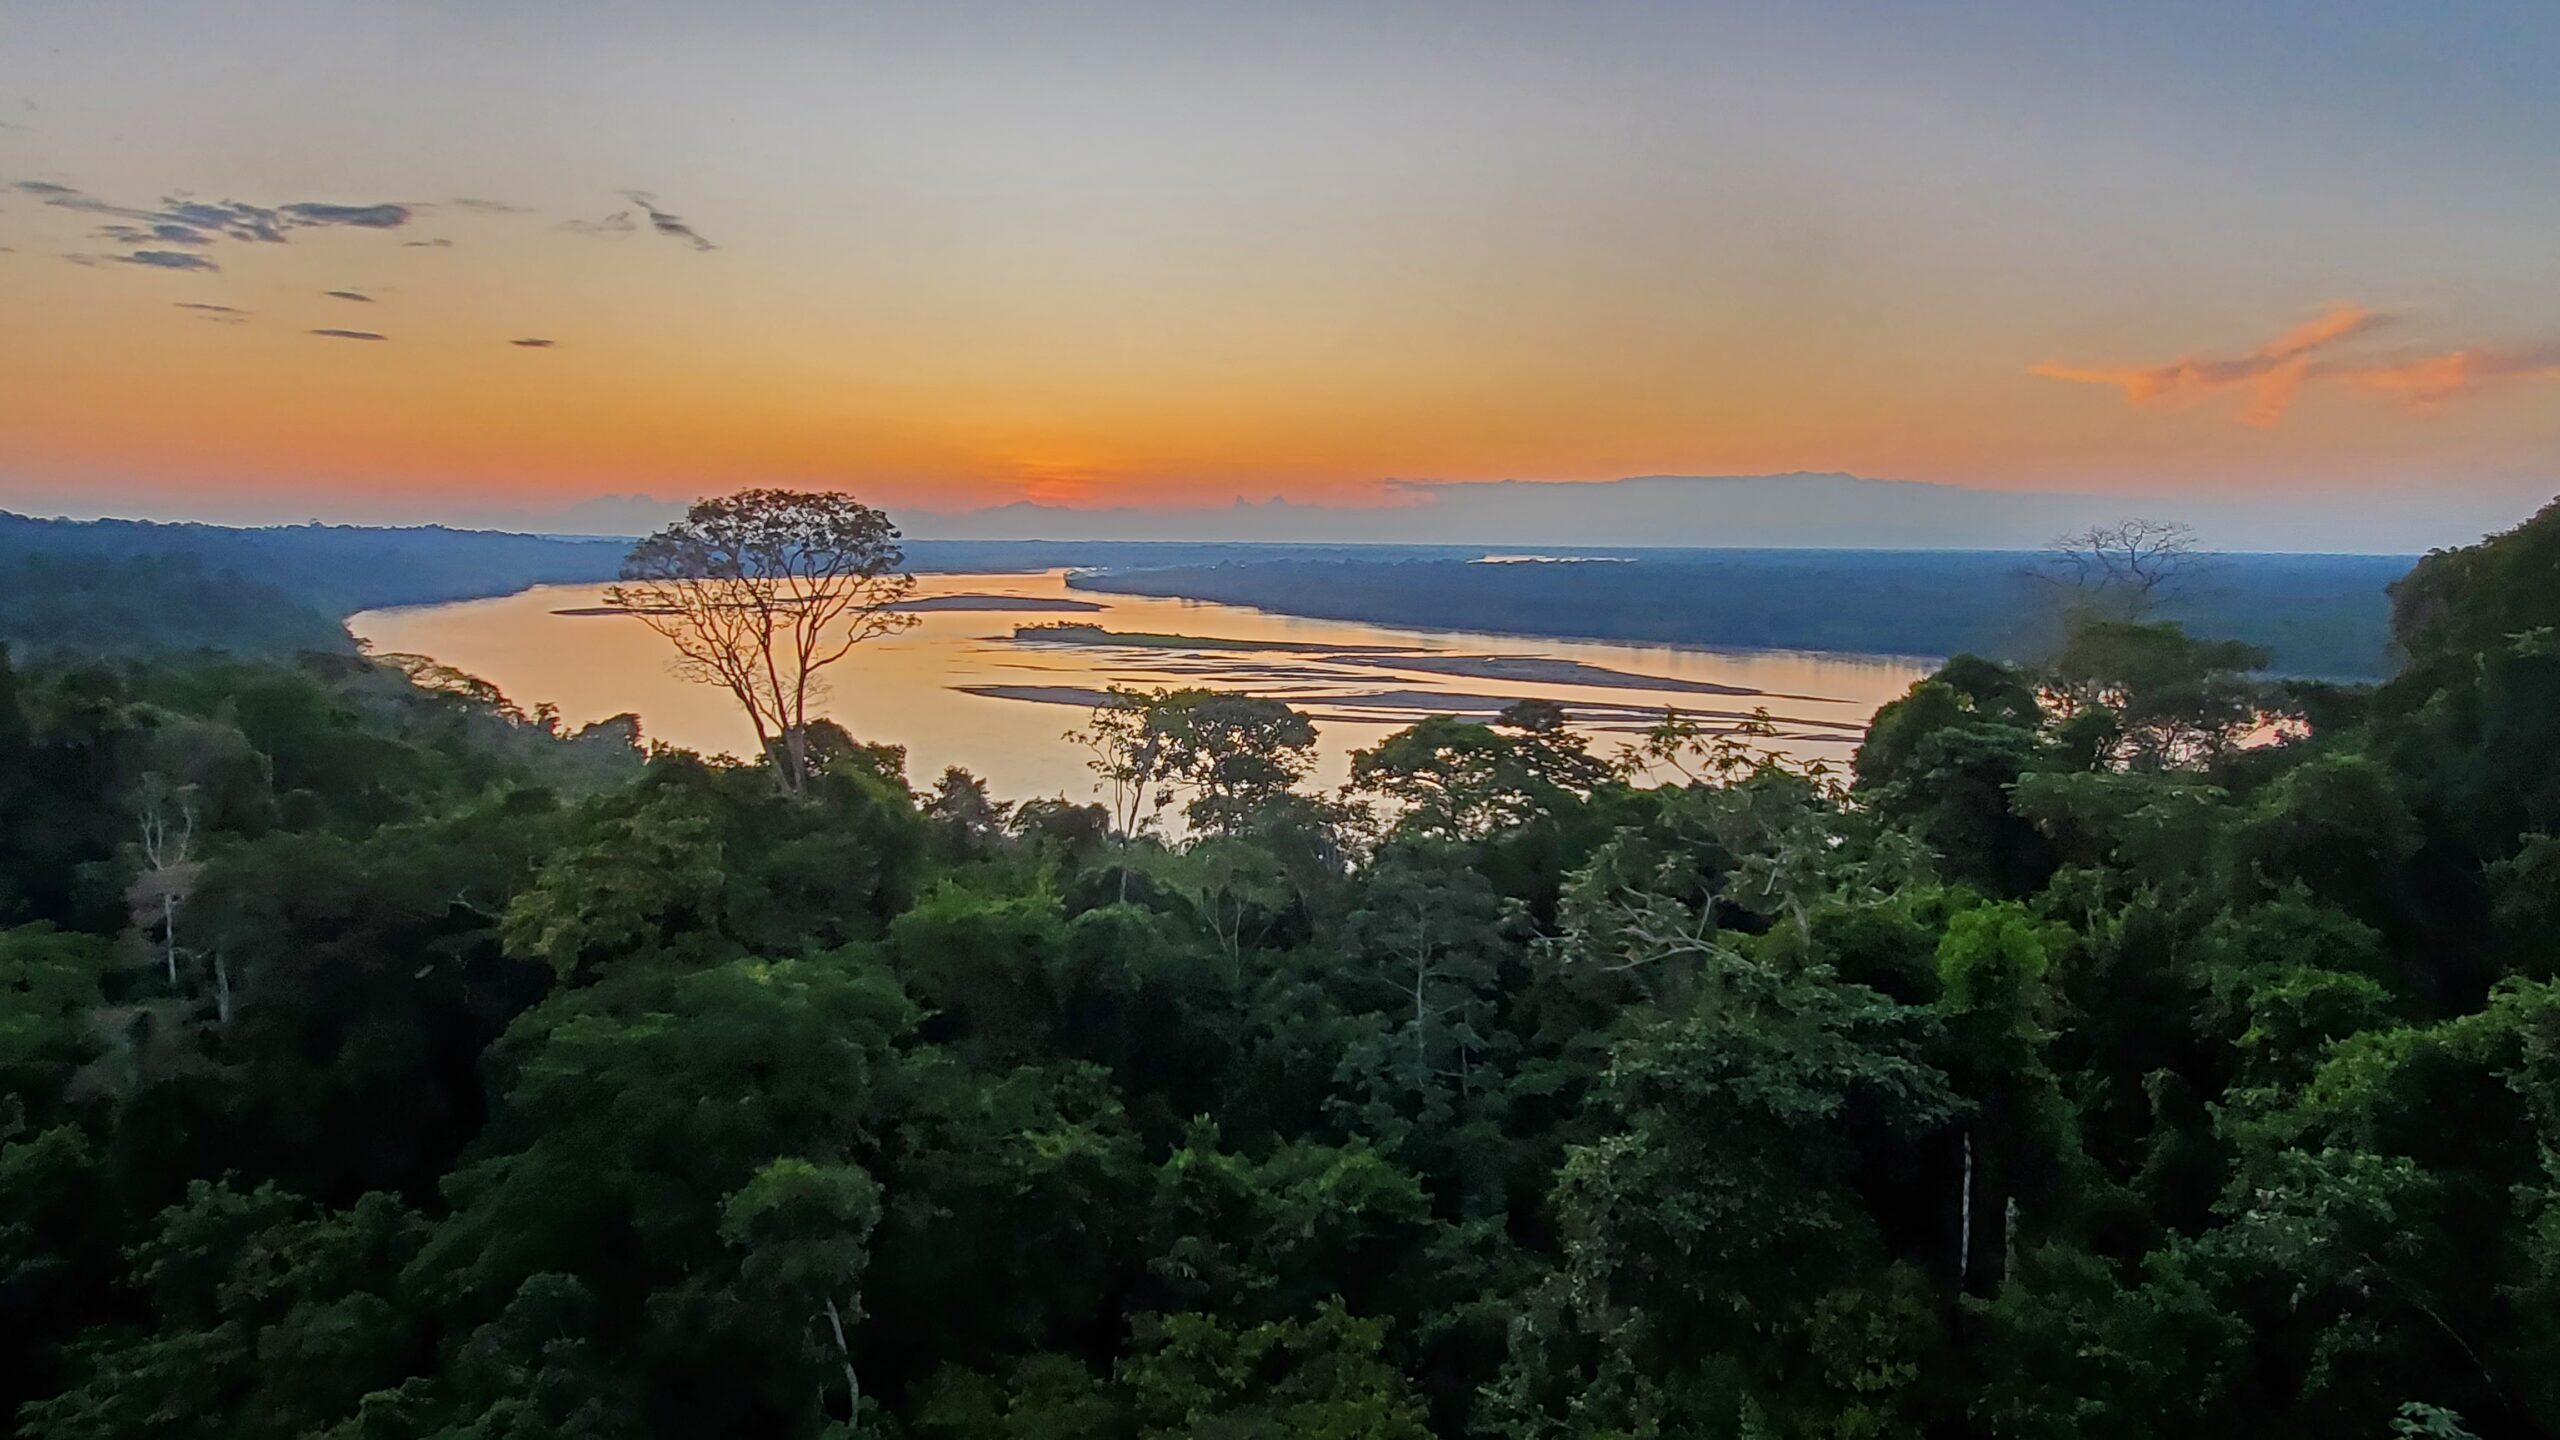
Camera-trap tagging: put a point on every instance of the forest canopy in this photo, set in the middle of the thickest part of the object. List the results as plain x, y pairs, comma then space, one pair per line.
2126, 1043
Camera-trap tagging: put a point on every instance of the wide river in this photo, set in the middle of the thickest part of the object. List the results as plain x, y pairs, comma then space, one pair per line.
962, 688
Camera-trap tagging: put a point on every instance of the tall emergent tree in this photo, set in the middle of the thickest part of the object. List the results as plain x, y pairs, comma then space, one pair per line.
2125, 570
761, 590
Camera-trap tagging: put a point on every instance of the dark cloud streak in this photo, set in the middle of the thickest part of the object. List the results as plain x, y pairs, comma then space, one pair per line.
363, 217
337, 334
168, 260
617, 223
666, 223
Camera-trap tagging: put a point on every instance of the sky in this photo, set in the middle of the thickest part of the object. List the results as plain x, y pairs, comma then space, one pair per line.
446, 259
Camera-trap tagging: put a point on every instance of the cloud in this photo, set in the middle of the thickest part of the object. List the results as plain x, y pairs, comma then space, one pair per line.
224, 217
665, 223
490, 207
2276, 371
534, 344
167, 260
2425, 382
617, 223
232, 219
336, 334
439, 243
161, 234
2272, 373
356, 295
219, 314
363, 217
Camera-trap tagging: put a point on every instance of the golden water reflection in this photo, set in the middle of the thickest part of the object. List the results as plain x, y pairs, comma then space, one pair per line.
960, 689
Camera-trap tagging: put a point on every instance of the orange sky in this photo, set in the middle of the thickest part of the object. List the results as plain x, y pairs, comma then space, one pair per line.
947, 263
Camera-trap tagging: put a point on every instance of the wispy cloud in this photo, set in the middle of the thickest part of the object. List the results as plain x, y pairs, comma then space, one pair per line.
223, 217
617, 223
490, 207
665, 223
363, 217
2427, 381
336, 334
160, 234
219, 314
355, 295
230, 219
534, 344
439, 243
2273, 374
167, 260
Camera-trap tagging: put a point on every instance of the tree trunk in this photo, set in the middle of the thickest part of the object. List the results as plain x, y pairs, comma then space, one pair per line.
2009, 1244
795, 761
1964, 1225
844, 1351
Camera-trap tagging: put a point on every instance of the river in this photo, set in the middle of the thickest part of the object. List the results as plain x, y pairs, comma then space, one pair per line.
962, 688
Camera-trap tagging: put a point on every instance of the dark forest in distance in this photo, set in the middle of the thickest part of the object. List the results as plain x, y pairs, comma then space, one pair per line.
125, 587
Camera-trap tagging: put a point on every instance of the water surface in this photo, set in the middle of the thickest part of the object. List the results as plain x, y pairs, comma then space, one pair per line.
961, 688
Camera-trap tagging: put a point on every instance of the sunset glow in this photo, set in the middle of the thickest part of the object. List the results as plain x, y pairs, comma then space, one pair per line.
1165, 256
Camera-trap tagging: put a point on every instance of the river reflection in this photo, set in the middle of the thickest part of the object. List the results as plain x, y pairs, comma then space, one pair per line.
962, 688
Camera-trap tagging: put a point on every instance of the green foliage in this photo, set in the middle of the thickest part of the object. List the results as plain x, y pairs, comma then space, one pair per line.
2137, 1046
1321, 1378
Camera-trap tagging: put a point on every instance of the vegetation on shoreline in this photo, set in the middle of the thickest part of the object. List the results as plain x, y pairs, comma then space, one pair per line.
2318, 615
382, 1064
131, 587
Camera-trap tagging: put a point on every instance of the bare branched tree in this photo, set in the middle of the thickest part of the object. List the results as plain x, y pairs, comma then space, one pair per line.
2128, 567
759, 592
166, 815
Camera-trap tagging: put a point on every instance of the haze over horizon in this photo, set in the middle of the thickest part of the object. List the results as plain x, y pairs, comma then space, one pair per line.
2282, 273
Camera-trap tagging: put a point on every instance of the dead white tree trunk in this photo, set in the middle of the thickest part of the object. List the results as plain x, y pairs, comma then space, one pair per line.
166, 815
844, 1352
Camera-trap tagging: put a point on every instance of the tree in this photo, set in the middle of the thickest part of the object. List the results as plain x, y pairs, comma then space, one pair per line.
1459, 780
963, 818
1129, 761
803, 1229
759, 592
2169, 700
2126, 569
166, 814
1236, 755
1202, 1376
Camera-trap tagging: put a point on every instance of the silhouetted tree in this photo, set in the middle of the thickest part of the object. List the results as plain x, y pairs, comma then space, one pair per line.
761, 590
2128, 567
